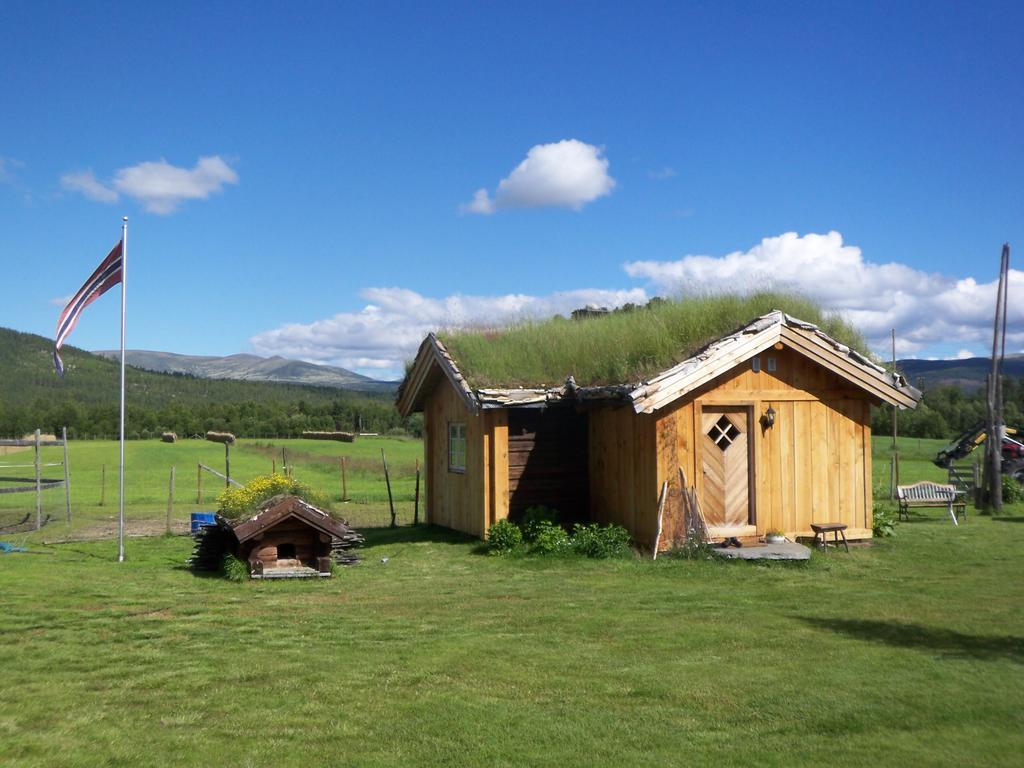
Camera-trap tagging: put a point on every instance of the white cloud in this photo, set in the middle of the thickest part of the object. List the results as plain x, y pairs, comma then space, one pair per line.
158, 185
565, 174
86, 183
926, 309
933, 314
666, 172
964, 354
380, 337
7, 166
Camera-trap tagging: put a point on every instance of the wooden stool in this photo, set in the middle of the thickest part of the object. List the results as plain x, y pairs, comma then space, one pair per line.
837, 529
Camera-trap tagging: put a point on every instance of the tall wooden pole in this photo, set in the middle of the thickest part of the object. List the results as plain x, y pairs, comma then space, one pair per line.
994, 428
39, 487
994, 436
895, 410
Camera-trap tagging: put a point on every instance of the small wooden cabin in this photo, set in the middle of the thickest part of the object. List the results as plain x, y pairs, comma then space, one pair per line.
770, 424
288, 536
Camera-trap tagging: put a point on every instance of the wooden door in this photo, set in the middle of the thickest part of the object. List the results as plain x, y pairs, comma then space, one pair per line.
725, 460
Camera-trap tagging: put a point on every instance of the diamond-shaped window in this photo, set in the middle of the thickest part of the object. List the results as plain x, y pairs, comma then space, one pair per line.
723, 433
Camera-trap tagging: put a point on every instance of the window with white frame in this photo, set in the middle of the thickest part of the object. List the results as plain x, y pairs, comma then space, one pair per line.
456, 447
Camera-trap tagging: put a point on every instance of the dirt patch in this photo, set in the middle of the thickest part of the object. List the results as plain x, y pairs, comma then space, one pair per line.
107, 529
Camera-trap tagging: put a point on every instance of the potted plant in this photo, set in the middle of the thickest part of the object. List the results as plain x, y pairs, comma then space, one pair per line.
774, 536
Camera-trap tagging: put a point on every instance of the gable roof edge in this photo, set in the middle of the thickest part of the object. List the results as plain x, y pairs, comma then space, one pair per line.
806, 338
432, 352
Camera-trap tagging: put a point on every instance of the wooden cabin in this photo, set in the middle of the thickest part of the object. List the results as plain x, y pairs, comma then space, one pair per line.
288, 537
770, 425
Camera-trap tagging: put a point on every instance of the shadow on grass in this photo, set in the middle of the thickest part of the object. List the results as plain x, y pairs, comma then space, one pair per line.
919, 637
1006, 519
413, 534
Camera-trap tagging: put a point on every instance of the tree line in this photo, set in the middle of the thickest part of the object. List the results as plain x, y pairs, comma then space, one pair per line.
946, 411
251, 418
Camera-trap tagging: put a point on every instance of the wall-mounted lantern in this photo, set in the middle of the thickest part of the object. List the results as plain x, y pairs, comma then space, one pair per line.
769, 418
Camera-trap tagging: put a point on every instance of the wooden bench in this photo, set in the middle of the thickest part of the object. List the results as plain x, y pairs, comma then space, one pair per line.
836, 529
928, 494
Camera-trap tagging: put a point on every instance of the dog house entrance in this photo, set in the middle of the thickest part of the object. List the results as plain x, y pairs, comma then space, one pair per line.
285, 551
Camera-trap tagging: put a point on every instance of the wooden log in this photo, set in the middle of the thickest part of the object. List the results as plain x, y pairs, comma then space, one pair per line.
344, 437
220, 437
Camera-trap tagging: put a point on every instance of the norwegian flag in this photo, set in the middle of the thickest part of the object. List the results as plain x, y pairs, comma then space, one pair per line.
107, 275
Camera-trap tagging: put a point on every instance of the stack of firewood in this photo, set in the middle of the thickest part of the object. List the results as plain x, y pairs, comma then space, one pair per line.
212, 543
342, 546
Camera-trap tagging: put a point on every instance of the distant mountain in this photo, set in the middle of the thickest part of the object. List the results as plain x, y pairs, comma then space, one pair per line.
252, 368
969, 375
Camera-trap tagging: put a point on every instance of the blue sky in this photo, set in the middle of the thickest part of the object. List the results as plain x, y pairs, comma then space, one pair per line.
300, 179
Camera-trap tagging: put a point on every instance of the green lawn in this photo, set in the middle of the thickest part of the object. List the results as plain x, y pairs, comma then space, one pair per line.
147, 479
908, 652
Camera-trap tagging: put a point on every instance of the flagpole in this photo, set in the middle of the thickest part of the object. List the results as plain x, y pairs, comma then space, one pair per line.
124, 283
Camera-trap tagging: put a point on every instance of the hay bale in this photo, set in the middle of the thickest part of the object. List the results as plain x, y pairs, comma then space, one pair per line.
220, 437
344, 437
169, 437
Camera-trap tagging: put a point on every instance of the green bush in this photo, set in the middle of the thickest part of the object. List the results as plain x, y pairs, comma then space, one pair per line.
551, 539
1013, 491
536, 516
504, 536
235, 569
598, 541
884, 522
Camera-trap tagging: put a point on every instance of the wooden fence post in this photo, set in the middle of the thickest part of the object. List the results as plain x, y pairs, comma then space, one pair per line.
199, 483
170, 501
977, 485
227, 465
284, 461
416, 501
344, 479
67, 473
387, 479
103, 484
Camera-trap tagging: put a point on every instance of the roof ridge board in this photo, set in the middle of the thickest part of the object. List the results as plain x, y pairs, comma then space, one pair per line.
665, 389
864, 375
451, 370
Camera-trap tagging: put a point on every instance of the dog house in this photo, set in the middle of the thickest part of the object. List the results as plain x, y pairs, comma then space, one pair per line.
288, 538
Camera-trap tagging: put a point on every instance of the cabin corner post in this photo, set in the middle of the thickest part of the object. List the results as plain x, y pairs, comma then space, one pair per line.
499, 466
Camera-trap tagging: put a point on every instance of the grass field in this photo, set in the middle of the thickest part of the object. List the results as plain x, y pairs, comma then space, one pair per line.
147, 479
907, 652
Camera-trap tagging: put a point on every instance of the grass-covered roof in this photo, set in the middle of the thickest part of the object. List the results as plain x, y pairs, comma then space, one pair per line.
621, 347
